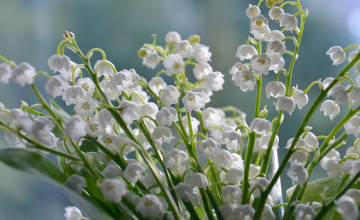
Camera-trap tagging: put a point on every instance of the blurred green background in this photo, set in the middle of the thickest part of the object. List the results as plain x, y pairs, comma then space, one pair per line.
31, 29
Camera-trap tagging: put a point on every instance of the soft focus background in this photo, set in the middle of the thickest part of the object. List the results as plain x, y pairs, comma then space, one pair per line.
31, 29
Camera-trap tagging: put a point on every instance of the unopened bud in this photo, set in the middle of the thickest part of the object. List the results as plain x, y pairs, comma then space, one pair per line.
194, 39
270, 3
142, 52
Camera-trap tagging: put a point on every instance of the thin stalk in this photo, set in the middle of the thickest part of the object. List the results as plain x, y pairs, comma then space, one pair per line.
249, 150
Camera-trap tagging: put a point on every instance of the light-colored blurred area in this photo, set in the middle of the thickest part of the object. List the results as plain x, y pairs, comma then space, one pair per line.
31, 29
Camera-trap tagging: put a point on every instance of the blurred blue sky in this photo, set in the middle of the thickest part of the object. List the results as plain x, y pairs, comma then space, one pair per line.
31, 29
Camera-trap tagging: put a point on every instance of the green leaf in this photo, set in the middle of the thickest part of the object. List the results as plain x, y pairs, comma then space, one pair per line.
31, 162
36, 164
88, 146
315, 188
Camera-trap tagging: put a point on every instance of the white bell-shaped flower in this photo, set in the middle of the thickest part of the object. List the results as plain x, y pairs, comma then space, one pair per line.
73, 94
113, 190
288, 21
337, 55
75, 127
274, 35
162, 134
353, 126
277, 62
151, 60
55, 85
354, 95
299, 157
228, 211
234, 175
76, 183
125, 79
300, 98
169, 95
246, 52
73, 213
197, 180
275, 13
260, 126
193, 101
223, 158
260, 64
231, 194
128, 110
5, 72
23, 74
298, 174
94, 127
156, 84
212, 81
238, 67
148, 109
201, 53
275, 47
151, 206
104, 68
258, 185
330, 108
41, 130
59, 63
232, 139
184, 192
194, 122
85, 107
275, 89
184, 48
134, 171
13, 140
340, 94
209, 147
166, 116
347, 207
285, 103
304, 211
268, 213
111, 172
259, 23
244, 212
87, 84
245, 80
172, 37
212, 116
201, 70
252, 11
177, 160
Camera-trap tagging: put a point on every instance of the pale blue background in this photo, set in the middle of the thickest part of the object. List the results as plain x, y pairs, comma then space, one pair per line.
31, 29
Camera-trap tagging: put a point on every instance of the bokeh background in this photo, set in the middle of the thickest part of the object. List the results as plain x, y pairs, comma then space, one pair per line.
31, 29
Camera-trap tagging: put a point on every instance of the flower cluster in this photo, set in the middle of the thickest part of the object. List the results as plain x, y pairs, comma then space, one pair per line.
155, 149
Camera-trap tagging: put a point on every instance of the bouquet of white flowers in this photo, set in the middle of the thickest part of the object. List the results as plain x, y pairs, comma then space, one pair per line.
138, 149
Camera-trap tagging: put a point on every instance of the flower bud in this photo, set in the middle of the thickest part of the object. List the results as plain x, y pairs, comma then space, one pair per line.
194, 39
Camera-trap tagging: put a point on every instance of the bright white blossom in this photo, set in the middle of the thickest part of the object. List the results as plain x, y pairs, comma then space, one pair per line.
193, 101
104, 68
128, 110
166, 116
5, 72
201, 70
174, 64
177, 160
151, 206
184, 48
253, 11
238, 67
275, 89
275, 13
212, 81
56, 85
75, 127
156, 84
298, 174
231, 194
72, 213
113, 190
337, 55
300, 98
151, 60
347, 207
59, 63
304, 211
245, 80
285, 103
260, 64
209, 147
353, 126
288, 21
330, 108
260, 126
169, 95
73, 94
197, 180
201, 53
172, 37
87, 85
23, 74
246, 52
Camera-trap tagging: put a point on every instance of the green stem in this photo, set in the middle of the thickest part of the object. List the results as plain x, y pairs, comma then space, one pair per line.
249, 151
